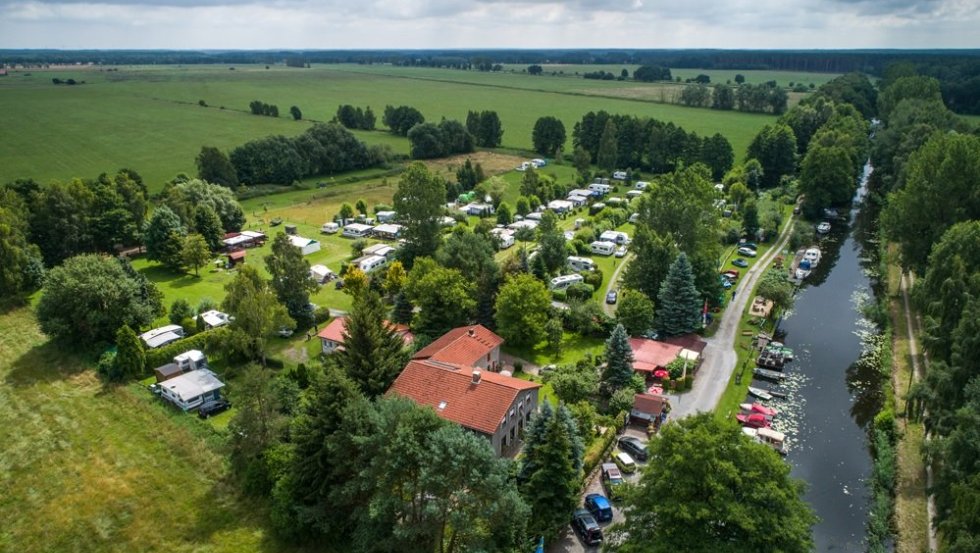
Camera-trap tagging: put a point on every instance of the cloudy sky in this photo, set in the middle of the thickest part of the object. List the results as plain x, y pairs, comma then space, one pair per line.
343, 24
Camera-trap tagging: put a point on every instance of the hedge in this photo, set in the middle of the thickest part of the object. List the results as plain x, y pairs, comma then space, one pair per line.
601, 447
204, 341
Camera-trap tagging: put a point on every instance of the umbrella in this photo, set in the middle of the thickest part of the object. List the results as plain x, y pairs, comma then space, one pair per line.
655, 390
661, 373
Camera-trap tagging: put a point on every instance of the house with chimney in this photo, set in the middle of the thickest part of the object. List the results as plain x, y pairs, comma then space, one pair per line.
455, 375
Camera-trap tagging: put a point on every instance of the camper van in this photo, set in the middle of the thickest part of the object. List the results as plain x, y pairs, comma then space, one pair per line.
620, 238
600, 189
370, 263
563, 282
601, 247
329, 228
581, 263
619, 175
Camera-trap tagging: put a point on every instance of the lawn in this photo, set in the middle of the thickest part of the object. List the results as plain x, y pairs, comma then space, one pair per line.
148, 118
87, 468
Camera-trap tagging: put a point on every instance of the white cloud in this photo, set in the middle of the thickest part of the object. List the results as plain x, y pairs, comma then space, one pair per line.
333, 24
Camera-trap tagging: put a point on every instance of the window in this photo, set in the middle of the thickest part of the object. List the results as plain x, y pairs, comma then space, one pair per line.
511, 413
442, 405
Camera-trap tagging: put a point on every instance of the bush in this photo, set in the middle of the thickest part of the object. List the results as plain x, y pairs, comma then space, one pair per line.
593, 278
321, 315
884, 422
579, 290
106, 368
601, 447
209, 342
189, 324
180, 310
581, 248
559, 295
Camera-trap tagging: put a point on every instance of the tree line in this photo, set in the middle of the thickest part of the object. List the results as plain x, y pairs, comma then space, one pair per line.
355, 117
757, 98
258, 107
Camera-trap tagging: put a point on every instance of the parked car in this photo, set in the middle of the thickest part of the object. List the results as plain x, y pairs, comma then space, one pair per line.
624, 462
746, 251
586, 527
634, 447
725, 283
752, 245
612, 480
599, 506
285, 332
731, 274
213, 407
739, 262
611, 297
621, 251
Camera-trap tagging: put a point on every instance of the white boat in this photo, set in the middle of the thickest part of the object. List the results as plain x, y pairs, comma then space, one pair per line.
812, 254
803, 270
772, 438
760, 393
823, 228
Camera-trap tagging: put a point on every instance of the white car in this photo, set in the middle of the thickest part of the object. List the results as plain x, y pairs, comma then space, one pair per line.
746, 251
621, 251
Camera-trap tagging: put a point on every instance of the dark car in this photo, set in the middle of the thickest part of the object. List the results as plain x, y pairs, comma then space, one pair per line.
751, 245
599, 506
213, 407
611, 297
634, 447
586, 527
739, 262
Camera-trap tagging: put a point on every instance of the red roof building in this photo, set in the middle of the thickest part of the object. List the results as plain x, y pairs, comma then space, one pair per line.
492, 404
332, 335
468, 346
650, 355
648, 408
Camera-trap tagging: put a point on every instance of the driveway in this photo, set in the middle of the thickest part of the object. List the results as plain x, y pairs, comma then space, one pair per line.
613, 281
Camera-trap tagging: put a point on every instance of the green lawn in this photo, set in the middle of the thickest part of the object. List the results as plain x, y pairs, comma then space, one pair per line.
783, 78
148, 118
85, 468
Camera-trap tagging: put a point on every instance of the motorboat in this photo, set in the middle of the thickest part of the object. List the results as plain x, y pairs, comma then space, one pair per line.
823, 228
758, 408
803, 270
812, 254
759, 393
769, 374
752, 433
772, 438
779, 348
753, 420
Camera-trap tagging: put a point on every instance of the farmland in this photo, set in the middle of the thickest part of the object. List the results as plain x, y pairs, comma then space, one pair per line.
149, 118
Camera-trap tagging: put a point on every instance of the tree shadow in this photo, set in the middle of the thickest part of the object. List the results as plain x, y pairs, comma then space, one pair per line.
47, 362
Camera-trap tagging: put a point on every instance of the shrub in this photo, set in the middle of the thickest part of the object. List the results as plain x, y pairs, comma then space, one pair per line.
559, 295
321, 315
593, 278
180, 310
210, 342
106, 368
579, 290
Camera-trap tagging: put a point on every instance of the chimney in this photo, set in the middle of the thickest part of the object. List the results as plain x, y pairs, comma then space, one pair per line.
471, 332
476, 376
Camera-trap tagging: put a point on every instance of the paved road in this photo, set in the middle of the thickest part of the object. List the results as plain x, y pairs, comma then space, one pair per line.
719, 354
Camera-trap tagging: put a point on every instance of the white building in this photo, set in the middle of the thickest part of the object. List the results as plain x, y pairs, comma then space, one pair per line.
321, 273
192, 389
305, 245
214, 318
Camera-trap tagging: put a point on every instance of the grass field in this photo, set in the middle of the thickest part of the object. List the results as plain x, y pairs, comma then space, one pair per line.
89, 469
148, 118
783, 78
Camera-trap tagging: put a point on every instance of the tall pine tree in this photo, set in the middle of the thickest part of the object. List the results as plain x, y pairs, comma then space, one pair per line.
679, 303
552, 485
130, 358
373, 353
619, 361
291, 279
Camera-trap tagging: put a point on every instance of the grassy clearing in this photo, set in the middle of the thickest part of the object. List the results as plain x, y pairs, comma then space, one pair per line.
911, 516
148, 118
573, 349
107, 469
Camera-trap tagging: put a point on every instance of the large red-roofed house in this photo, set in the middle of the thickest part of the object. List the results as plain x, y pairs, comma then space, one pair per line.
450, 375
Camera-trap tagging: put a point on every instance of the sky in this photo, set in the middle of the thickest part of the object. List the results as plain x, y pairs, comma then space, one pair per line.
385, 24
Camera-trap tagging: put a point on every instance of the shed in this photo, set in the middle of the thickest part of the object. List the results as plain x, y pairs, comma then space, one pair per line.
305, 245
321, 273
761, 307
560, 206
236, 257
386, 216
649, 407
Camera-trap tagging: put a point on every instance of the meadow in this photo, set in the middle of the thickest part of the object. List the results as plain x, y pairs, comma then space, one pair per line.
149, 119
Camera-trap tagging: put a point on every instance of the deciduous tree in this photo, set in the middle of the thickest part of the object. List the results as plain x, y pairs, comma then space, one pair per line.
215, 167
291, 279
634, 312
775, 148
444, 297
419, 203
257, 312
195, 253
522, 309
548, 135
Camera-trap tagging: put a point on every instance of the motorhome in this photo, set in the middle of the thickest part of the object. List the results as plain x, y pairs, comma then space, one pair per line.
619, 175
634, 194
369, 263
563, 282
620, 238
329, 228
600, 189
641, 185
581, 263
356, 230
600, 247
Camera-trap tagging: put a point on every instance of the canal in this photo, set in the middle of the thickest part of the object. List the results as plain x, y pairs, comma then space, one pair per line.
831, 398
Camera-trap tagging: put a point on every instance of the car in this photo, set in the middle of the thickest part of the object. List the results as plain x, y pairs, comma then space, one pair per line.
652, 334
752, 245
634, 447
612, 481
746, 251
611, 297
621, 251
624, 462
285, 332
586, 527
599, 506
155, 389
731, 275
739, 262
213, 407
725, 283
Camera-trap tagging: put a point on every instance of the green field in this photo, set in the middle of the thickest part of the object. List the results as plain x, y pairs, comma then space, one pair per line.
148, 118
90, 469
783, 78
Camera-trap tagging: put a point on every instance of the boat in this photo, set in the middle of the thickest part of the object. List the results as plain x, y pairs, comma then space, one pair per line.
823, 228
752, 433
803, 270
812, 254
758, 408
780, 395
772, 438
759, 393
768, 374
753, 420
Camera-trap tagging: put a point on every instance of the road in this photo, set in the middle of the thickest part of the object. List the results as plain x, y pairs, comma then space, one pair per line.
611, 309
719, 354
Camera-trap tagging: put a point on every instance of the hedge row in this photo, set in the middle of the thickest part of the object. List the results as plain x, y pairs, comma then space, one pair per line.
598, 451
206, 341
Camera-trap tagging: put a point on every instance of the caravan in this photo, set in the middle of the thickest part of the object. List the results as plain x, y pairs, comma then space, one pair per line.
600, 189
581, 263
620, 238
601, 247
563, 282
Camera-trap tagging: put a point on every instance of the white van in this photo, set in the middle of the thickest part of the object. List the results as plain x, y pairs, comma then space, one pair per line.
601, 247
600, 189
619, 175
563, 282
620, 238
329, 228
641, 185
581, 263
371, 263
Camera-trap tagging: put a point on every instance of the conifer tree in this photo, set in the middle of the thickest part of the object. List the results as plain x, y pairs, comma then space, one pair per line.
619, 361
130, 357
552, 485
208, 224
373, 353
678, 303
533, 438
402, 312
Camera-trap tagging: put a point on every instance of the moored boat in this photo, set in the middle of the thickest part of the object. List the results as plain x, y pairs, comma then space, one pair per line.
753, 420
768, 374
823, 228
758, 408
759, 393
772, 438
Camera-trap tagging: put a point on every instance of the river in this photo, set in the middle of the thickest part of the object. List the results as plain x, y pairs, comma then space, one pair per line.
830, 399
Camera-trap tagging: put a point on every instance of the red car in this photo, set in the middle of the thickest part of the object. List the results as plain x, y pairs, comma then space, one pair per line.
759, 408
754, 420
731, 274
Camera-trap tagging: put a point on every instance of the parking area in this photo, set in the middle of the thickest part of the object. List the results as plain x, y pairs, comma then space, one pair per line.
569, 541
